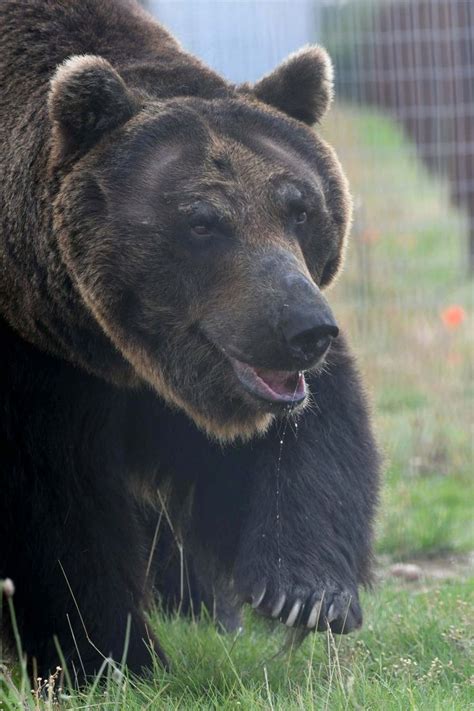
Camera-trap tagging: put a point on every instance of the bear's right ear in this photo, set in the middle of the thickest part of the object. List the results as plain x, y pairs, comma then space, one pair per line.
87, 99
301, 87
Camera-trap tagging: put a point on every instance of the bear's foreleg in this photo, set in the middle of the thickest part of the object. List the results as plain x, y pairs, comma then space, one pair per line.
283, 521
80, 578
306, 544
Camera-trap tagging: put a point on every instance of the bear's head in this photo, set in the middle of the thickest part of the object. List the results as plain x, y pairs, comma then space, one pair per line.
200, 233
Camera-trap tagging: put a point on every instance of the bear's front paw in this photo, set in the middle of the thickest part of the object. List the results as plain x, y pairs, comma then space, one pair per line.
312, 606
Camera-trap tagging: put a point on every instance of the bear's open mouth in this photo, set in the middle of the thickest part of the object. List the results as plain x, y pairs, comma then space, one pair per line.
278, 386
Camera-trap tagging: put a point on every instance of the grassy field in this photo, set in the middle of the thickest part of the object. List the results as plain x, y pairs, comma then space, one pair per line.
405, 277
407, 304
415, 652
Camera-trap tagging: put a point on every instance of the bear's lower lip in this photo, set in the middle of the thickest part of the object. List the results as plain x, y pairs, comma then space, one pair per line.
277, 386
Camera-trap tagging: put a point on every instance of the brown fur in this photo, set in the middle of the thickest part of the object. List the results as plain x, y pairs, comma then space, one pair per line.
64, 300
302, 87
164, 234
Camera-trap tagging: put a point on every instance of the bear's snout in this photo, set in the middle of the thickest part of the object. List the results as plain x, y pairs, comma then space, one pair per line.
287, 331
282, 326
306, 324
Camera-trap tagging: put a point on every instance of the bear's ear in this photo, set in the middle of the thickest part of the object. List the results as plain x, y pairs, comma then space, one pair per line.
87, 99
301, 87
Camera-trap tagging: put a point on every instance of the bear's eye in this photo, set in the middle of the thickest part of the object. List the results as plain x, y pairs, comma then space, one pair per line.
301, 217
201, 230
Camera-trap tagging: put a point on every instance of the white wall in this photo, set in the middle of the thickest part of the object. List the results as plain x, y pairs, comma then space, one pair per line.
242, 39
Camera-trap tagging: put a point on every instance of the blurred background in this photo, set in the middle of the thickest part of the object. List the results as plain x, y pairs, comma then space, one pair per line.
403, 125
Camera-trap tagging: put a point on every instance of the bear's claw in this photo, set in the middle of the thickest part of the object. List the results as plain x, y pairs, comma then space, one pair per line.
278, 607
335, 608
294, 613
313, 617
258, 597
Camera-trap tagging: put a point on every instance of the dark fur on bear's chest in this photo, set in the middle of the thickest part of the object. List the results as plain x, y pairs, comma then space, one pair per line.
76, 456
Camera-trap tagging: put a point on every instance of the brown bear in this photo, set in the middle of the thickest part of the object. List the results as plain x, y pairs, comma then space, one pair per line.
179, 412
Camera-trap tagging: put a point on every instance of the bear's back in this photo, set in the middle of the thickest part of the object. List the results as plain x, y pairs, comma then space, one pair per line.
37, 35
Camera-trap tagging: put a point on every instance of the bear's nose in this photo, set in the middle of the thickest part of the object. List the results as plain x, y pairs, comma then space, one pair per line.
306, 323
306, 337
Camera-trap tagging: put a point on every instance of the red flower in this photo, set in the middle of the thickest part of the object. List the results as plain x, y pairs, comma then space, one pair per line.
453, 316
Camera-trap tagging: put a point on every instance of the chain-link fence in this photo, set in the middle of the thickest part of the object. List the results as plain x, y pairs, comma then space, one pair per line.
404, 127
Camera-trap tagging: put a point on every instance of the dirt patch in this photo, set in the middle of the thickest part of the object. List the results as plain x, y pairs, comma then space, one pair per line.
427, 570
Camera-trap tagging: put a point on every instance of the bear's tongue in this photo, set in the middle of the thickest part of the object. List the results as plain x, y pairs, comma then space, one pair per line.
274, 385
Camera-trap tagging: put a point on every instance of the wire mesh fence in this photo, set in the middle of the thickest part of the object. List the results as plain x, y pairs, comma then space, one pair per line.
415, 60
403, 124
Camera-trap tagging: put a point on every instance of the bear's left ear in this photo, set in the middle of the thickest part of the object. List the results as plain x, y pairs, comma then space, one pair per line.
301, 87
87, 99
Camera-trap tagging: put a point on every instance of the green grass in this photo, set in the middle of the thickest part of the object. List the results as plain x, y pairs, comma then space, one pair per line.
415, 652
405, 265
